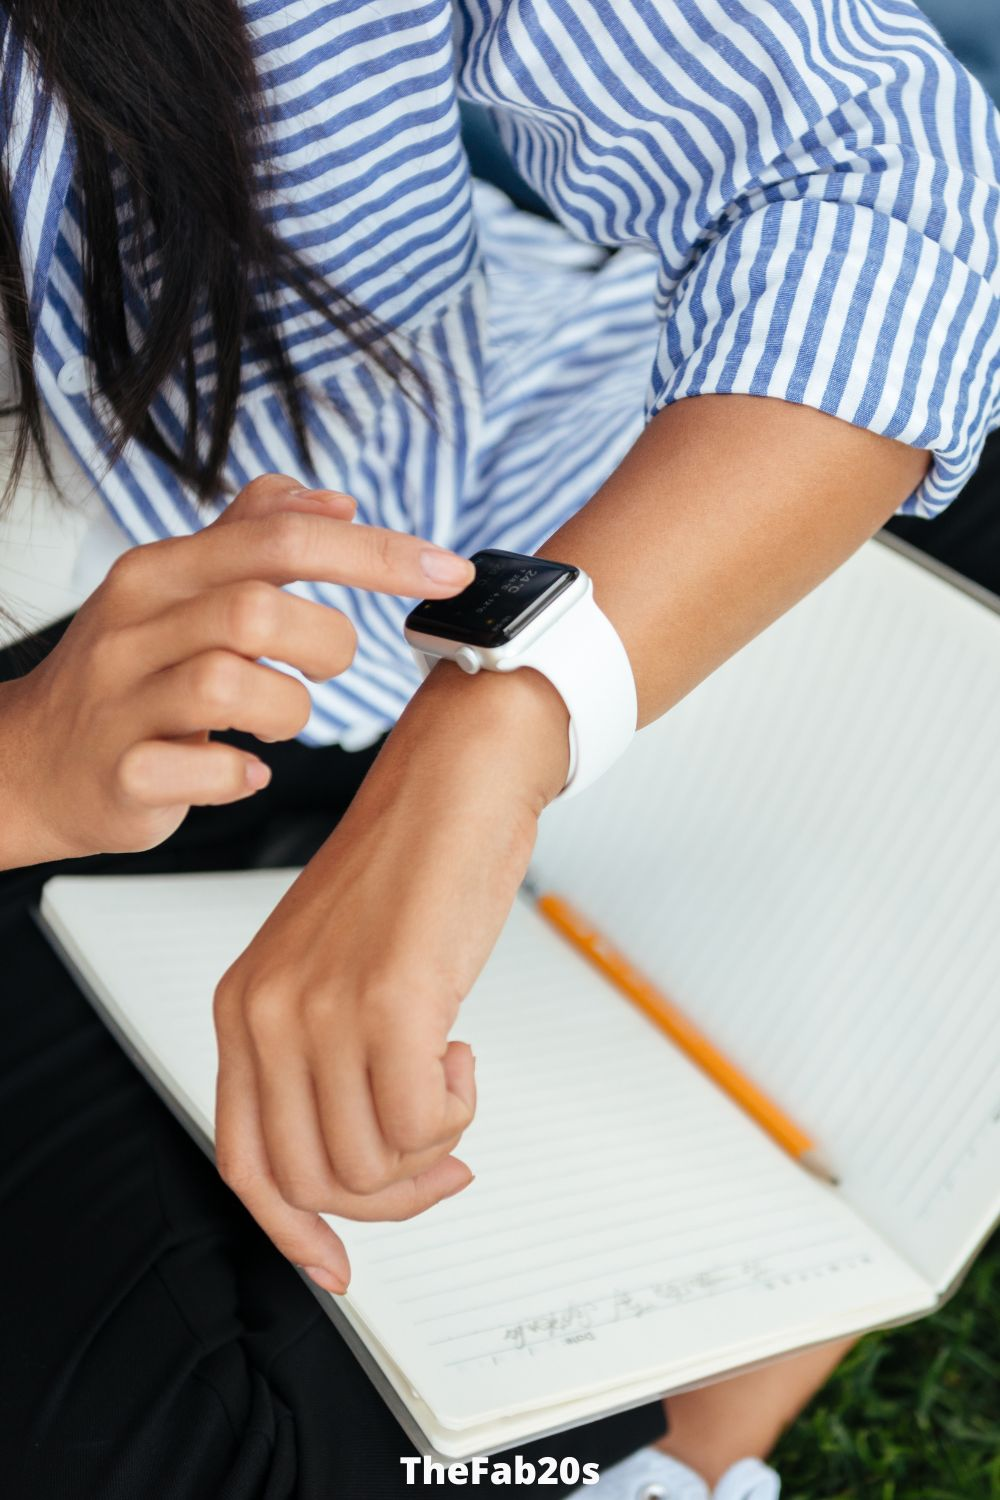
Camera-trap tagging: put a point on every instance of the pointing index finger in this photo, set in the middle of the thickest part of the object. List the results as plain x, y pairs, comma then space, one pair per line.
294, 546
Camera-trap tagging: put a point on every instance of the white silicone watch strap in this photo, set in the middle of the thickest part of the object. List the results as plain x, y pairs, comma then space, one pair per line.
583, 657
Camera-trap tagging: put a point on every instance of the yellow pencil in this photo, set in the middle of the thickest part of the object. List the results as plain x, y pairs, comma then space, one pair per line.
643, 993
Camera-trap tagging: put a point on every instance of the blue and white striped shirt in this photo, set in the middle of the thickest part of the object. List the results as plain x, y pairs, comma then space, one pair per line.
806, 194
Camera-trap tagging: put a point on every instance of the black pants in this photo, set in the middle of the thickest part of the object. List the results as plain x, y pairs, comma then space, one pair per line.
153, 1342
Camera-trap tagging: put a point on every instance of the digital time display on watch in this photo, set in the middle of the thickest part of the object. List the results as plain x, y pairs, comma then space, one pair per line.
508, 591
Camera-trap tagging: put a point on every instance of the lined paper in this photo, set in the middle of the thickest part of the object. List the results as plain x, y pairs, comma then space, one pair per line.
624, 1219
806, 854
627, 1229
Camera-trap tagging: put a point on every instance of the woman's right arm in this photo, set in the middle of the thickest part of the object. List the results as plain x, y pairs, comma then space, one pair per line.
105, 745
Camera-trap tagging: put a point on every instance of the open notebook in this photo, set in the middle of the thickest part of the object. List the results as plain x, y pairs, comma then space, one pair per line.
806, 855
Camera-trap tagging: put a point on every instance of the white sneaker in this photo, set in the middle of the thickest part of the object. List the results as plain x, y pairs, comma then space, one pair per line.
748, 1480
652, 1475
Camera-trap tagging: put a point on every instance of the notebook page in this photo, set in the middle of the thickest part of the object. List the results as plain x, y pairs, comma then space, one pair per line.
806, 854
152, 950
625, 1229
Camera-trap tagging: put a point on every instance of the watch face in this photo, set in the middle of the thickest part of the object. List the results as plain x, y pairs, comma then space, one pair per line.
508, 591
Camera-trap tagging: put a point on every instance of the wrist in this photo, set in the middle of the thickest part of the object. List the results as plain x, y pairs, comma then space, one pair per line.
509, 730
459, 785
24, 839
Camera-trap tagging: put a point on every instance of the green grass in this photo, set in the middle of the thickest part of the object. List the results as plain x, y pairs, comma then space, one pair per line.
913, 1414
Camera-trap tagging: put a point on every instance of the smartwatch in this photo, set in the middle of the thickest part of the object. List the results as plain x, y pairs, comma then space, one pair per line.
523, 611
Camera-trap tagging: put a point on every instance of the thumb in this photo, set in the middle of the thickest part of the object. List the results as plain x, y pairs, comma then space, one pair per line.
271, 493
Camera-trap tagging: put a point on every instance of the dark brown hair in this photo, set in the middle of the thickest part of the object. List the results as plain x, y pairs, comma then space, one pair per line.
165, 110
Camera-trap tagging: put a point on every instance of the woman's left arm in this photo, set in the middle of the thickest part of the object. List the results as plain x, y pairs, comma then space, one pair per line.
339, 1091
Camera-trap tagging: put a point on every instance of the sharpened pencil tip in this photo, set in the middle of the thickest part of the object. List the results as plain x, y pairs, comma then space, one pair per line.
819, 1167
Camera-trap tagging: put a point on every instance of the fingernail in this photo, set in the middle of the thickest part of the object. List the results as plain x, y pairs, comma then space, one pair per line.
326, 1279
444, 567
461, 1186
257, 774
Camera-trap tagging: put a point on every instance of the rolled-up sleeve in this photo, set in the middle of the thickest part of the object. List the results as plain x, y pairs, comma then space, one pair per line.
819, 179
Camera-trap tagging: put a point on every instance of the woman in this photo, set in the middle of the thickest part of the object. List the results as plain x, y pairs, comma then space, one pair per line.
241, 241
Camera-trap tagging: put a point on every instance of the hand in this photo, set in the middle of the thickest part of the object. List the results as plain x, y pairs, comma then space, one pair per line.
105, 745
339, 1091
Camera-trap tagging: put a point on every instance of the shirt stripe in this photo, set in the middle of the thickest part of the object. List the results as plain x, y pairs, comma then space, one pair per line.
804, 197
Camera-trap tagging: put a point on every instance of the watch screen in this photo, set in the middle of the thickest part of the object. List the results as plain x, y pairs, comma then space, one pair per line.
507, 592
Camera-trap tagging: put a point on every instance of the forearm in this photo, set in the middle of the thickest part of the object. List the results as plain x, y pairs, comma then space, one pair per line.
726, 511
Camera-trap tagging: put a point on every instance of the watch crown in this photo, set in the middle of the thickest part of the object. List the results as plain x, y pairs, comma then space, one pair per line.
467, 660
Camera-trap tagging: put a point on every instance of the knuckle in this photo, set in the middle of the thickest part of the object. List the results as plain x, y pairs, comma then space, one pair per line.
299, 707
252, 611
344, 641
287, 537
261, 487
311, 1194
228, 993
318, 1007
134, 772
228, 989
406, 1204
265, 1014
215, 679
257, 486
291, 704
125, 571
382, 545
236, 1172
227, 1004
409, 1128
362, 1175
